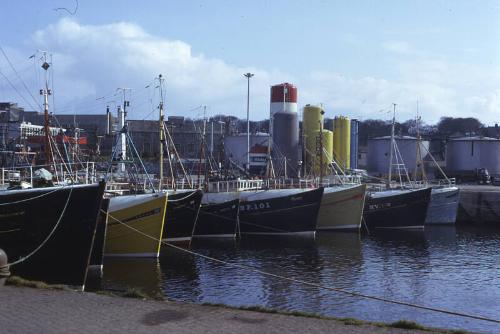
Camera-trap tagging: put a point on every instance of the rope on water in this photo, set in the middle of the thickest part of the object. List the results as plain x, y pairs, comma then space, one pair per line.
294, 280
24, 258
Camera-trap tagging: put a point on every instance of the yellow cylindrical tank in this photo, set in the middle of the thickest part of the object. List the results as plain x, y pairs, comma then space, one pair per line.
328, 145
345, 142
325, 154
336, 138
312, 122
342, 141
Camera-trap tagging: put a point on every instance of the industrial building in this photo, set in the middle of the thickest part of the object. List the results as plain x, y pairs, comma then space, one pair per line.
100, 130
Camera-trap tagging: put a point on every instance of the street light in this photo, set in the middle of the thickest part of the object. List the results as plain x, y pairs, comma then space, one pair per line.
248, 76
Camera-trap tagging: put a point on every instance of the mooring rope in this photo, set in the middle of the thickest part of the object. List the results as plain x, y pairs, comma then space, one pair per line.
238, 220
24, 258
216, 215
180, 199
294, 280
34, 197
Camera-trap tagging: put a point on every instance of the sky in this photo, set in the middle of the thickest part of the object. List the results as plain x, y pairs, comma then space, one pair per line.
356, 58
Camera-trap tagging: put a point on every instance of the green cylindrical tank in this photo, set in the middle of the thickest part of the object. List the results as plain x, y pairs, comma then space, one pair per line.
312, 122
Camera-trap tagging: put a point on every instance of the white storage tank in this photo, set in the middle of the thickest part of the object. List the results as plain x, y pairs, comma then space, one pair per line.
378, 154
469, 153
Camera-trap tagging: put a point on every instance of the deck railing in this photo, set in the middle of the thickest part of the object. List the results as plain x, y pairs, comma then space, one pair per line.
81, 173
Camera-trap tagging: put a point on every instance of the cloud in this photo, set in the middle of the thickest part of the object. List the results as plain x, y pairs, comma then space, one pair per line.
441, 86
91, 61
97, 59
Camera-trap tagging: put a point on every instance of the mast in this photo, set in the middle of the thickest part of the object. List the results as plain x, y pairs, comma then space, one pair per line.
211, 138
391, 146
304, 151
46, 92
122, 114
248, 76
202, 148
419, 159
205, 165
320, 153
162, 134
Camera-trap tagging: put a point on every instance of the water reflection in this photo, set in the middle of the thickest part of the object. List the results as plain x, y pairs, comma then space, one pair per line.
342, 257
179, 274
292, 257
442, 266
125, 273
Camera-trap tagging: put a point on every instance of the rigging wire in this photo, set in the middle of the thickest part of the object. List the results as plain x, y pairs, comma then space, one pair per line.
19, 77
17, 91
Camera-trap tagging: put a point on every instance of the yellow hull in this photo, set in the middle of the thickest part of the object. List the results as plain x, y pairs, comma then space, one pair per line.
342, 209
144, 216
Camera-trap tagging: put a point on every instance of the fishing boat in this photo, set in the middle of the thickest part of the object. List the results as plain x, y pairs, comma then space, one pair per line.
280, 212
396, 209
48, 233
217, 220
95, 270
341, 208
182, 214
135, 225
102, 223
275, 211
443, 207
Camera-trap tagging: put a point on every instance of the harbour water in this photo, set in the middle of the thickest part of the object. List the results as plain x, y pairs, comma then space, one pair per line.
453, 268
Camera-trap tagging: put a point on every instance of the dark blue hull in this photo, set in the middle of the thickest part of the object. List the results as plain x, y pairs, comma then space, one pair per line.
181, 216
405, 209
219, 220
54, 228
281, 215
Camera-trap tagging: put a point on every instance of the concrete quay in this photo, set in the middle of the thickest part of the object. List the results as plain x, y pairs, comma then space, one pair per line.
479, 204
27, 310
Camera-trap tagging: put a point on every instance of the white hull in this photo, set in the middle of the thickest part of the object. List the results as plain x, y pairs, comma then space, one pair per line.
443, 206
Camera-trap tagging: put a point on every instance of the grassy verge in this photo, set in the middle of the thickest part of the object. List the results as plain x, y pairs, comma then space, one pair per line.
129, 293
402, 324
21, 282
405, 324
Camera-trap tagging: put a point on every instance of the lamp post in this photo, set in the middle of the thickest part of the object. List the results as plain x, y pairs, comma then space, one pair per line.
248, 76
